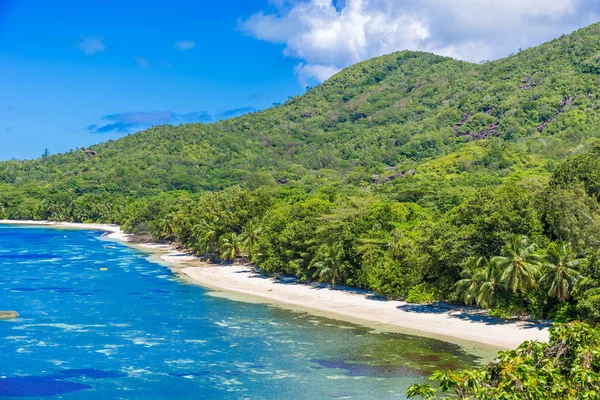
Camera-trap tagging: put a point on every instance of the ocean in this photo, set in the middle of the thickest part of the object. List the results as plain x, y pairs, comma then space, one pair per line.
100, 320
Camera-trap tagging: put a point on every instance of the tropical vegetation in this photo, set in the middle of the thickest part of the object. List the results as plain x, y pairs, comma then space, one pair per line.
566, 368
412, 175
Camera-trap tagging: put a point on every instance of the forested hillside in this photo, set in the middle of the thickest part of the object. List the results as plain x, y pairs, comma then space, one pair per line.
409, 174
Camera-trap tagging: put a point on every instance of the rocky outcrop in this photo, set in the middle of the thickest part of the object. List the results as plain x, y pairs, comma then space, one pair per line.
89, 154
561, 108
378, 179
529, 83
491, 130
9, 314
463, 120
591, 99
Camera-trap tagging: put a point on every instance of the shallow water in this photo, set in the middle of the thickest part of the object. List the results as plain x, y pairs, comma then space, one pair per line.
106, 323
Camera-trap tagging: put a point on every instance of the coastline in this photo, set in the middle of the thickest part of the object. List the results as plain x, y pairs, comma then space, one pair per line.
461, 325
458, 325
112, 231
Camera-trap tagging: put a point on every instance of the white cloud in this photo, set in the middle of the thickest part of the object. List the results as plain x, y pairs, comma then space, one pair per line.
142, 62
326, 35
306, 73
91, 45
184, 45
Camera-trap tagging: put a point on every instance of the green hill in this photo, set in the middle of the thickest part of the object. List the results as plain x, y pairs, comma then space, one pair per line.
400, 109
396, 173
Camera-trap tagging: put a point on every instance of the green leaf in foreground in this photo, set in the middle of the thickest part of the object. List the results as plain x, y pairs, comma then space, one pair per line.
566, 368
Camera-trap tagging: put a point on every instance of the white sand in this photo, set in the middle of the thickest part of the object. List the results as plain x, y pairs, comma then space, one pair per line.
466, 325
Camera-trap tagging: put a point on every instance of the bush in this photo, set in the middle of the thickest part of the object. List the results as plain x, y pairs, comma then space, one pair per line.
588, 307
566, 368
423, 293
563, 313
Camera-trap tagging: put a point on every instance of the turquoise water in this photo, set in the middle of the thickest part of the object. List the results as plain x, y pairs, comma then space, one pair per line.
136, 331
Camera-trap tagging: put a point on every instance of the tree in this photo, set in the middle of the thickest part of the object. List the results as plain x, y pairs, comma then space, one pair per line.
204, 235
560, 277
490, 290
573, 216
481, 283
519, 263
566, 368
473, 276
491, 216
230, 247
580, 168
327, 264
423, 391
80, 212
167, 228
250, 238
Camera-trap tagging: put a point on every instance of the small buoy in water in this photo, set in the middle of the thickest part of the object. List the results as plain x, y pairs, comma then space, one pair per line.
103, 269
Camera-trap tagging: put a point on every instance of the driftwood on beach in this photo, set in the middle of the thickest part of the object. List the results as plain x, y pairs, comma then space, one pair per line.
9, 314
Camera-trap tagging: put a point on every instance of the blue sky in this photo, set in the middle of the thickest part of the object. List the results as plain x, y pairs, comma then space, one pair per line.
53, 87
74, 73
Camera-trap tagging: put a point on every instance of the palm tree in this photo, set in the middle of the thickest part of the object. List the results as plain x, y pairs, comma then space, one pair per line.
71, 207
480, 284
167, 228
473, 277
80, 213
230, 247
58, 212
103, 211
204, 235
519, 263
327, 264
560, 277
94, 207
250, 238
490, 290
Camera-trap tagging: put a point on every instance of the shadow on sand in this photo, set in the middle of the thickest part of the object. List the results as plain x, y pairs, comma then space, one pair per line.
453, 311
290, 280
470, 314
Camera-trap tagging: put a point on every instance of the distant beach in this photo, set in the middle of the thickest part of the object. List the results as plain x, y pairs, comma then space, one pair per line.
113, 231
461, 325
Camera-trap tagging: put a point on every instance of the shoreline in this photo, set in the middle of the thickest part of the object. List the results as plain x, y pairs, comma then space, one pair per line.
461, 325
112, 231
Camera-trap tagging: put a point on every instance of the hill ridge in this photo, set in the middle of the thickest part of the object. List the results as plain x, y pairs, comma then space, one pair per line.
402, 108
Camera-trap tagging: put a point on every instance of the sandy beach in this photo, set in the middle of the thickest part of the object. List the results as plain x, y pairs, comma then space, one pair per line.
461, 325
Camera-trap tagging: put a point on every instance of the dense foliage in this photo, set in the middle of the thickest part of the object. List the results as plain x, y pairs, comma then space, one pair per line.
568, 367
413, 175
